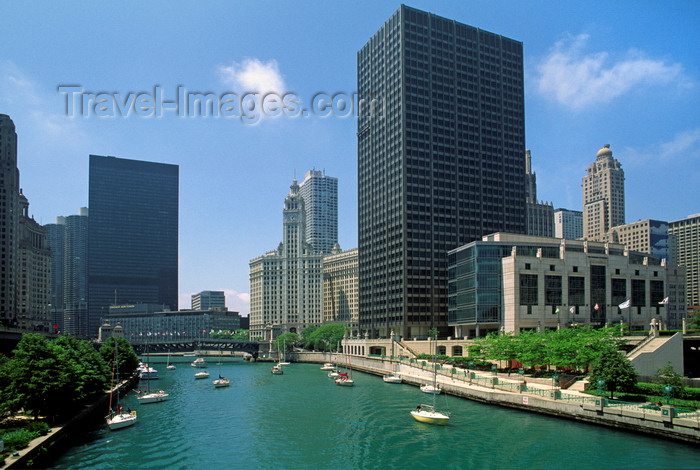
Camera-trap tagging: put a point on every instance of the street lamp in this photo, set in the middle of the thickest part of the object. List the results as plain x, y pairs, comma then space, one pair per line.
668, 391
601, 384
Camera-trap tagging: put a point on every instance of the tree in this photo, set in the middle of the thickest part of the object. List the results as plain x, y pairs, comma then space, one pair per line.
89, 373
128, 360
326, 337
667, 375
286, 341
616, 370
694, 318
306, 336
39, 381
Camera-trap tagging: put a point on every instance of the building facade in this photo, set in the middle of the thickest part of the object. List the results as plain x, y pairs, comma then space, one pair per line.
208, 300
55, 237
646, 236
75, 275
568, 224
286, 284
320, 194
515, 283
440, 161
133, 236
9, 219
140, 327
540, 215
603, 196
340, 288
33, 276
685, 235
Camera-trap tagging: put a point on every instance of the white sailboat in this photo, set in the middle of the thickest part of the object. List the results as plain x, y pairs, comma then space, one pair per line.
148, 396
283, 361
117, 419
221, 381
170, 366
394, 377
427, 413
344, 379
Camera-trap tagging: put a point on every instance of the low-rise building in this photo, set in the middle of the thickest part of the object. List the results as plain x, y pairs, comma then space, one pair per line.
513, 283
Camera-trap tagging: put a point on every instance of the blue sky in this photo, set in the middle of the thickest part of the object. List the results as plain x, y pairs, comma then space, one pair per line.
621, 73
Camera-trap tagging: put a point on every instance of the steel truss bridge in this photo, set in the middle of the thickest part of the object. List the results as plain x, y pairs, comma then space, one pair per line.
199, 344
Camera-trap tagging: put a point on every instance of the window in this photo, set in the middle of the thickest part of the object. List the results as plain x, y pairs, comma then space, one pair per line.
528, 289
552, 290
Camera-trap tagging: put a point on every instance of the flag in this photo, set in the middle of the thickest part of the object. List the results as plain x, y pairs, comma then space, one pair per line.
557, 310
664, 302
596, 307
572, 310
626, 304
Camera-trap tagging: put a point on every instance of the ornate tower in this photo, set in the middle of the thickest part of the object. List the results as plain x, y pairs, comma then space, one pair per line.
603, 196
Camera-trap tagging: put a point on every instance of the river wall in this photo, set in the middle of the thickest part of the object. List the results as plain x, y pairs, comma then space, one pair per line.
660, 421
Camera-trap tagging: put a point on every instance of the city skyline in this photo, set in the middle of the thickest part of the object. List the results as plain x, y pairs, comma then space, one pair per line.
595, 74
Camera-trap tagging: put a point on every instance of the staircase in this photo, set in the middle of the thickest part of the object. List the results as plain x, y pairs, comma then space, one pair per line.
648, 346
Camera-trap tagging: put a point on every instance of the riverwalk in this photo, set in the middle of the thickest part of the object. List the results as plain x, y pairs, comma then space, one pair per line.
533, 395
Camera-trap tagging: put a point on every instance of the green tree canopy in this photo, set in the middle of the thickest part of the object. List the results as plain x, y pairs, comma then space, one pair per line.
325, 338
616, 370
128, 360
286, 341
667, 375
40, 381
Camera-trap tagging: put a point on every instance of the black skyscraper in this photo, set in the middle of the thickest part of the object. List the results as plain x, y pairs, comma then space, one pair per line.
133, 234
440, 164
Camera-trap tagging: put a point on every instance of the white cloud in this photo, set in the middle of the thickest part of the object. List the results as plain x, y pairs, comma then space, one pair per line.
685, 146
579, 80
253, 75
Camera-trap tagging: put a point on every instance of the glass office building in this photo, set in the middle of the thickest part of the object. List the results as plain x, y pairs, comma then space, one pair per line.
440, 161
133, 235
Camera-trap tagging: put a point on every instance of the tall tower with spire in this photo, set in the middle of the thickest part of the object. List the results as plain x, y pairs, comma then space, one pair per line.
603, 196
286, 283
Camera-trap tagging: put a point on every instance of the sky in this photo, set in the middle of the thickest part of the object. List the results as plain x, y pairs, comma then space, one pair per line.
624, 73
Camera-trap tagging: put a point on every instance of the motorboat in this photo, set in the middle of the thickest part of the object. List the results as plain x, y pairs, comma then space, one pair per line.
328, 366
277, 370
199, 362
202, 375
392, 379
429, 388
147, 373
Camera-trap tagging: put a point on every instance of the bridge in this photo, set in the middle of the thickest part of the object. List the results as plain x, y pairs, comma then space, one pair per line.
195, 344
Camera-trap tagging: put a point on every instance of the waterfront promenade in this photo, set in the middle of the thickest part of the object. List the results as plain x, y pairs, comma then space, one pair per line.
535, 396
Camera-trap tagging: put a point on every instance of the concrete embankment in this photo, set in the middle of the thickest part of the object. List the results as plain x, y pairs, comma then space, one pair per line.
510, 392
42, 450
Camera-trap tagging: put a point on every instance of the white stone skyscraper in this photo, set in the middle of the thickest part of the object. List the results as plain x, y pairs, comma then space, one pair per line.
286, 283
320, 194
603, 196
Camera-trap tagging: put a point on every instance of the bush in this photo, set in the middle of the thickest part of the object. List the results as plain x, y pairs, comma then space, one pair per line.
40, 428
19, 439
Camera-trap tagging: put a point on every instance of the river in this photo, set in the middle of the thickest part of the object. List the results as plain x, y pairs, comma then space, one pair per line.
301, 419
